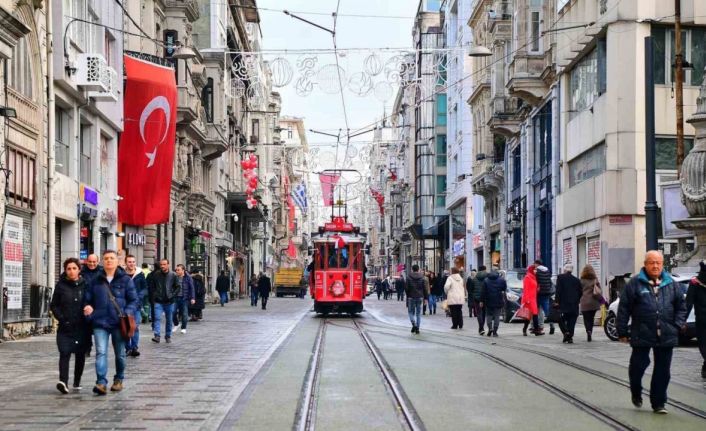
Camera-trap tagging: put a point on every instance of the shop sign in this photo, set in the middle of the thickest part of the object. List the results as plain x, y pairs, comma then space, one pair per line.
12, 261
620, 219
459, 247
89, 195
477, 240
135, 239
568, 251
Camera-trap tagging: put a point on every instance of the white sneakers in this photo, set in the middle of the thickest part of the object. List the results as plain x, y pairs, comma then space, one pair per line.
61, 386
183, 331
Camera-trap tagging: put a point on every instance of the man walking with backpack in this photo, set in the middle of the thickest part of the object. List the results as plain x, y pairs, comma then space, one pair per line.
417, 288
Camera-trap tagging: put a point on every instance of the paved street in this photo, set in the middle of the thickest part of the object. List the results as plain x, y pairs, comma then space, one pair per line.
244, 368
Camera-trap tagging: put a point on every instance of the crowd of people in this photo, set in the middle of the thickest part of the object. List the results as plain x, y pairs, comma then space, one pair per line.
652, 309
94, 303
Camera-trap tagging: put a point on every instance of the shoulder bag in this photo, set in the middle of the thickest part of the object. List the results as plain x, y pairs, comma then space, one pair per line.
127, 322
597, 292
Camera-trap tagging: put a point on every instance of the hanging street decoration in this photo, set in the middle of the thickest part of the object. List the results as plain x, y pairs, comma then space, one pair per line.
249, 165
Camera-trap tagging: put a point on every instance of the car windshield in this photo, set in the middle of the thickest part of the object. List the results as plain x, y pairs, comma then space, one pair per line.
514, 279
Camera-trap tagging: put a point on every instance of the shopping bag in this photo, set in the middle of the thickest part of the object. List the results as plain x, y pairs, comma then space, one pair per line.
522, 313
604, 314
554, 315
444, 305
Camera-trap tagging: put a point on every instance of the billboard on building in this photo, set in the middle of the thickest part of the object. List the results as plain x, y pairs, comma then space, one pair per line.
12, 261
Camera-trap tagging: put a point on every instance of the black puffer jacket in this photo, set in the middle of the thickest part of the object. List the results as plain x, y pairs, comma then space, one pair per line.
657, 313
494, 289
544, 281
696, 297
67, 305
475, 285
163, 286
417, 286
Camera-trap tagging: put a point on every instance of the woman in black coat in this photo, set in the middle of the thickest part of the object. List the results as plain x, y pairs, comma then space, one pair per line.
73, 334
196, 309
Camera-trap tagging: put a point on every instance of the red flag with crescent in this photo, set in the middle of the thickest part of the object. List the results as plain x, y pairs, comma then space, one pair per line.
328, 183
146, 150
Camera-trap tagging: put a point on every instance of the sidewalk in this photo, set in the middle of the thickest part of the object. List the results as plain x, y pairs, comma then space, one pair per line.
191, 382
686, 362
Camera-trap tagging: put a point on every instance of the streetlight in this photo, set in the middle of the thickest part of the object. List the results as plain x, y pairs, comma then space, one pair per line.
479, 51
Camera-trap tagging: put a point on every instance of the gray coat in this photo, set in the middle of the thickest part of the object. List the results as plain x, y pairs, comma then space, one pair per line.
588, 302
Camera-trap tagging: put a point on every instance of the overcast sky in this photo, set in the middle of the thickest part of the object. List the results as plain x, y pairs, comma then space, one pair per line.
325, 111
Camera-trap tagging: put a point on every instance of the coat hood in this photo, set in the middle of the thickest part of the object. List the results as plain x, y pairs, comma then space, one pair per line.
542, 268
416, 275
456, 277
493, 275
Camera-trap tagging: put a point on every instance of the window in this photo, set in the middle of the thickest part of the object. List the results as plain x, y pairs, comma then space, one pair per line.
589, 164
20, 189
290, 132
542, 123
61, 144
85, 143
84, 34
441, 150
108, 48
666, 152
441, 110
441, 190
535, 26
255, 137
516, 167
207, 100
498, 148
20, 76
585, 86
693, 49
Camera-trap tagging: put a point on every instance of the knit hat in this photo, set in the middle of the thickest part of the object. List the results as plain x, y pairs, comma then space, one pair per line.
702, 272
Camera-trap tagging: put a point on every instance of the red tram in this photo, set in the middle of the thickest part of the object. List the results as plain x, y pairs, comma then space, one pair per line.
337, 275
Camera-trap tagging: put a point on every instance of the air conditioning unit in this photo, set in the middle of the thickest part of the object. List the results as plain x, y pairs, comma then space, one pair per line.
113, 86
91, 72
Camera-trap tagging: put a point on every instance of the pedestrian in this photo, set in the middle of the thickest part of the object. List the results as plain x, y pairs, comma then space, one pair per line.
264, 286
437, 291
696, 298
545, 291
655, 303
196, 310
397, 284
386, 287
456, 297
109, 295
590, 298
132, 345
474, 286
417, 289
73, 333
469, 288
529, 301
253, 290
399, 287
146, 269
378, 287
163, 287
222, 287
492, 300
303, 284
89, 271
568, 295
185, 298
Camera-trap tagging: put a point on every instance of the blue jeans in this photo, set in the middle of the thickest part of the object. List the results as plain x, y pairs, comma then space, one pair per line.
544, 303
133, 343
432, 304
253, 297
414, 309
224, 297
101, 341
182, 312
168, 310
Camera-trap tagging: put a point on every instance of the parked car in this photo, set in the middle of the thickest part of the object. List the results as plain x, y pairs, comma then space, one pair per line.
611, 329
370, 286
514, 293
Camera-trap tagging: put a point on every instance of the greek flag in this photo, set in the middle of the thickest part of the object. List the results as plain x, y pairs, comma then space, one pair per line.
299, 196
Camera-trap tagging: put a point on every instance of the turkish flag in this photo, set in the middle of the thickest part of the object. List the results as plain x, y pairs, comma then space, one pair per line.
328, 182
292, 250
146, 150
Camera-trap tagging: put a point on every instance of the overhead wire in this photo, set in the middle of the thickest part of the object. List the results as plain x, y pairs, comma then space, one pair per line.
340, 84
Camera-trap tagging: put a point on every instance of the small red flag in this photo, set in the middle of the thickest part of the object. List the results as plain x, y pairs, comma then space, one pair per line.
328, 182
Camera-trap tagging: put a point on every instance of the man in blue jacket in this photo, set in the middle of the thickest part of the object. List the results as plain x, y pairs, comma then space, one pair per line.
656, 305
138, 278
109, 295
186, 297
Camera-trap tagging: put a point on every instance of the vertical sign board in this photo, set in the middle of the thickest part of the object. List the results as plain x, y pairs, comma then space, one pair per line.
12, 261
567, 252
593, 254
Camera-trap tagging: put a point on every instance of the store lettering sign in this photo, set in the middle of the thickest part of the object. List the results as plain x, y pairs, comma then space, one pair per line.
13, 256
459, 247
135, 239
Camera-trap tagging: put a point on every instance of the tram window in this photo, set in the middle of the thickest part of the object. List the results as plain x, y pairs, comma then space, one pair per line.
338, 258
321, 256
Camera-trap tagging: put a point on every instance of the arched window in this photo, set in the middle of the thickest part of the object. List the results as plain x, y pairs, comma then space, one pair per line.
20, 70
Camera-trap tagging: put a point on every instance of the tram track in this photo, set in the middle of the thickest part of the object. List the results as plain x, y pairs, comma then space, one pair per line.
679, 405
305, 419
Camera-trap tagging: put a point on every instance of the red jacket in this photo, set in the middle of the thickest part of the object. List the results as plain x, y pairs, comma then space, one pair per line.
529, 290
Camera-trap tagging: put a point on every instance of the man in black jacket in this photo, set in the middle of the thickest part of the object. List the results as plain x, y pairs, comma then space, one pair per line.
568, 295
696, 297
264, 286
163, 287
545, 290
417, 287
656, 305
474, 286
222, 287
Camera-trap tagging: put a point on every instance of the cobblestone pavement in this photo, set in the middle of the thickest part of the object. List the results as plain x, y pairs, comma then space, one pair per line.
190, 383
686, 363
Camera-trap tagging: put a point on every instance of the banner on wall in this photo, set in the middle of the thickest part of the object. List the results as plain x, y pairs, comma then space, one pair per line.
13, 256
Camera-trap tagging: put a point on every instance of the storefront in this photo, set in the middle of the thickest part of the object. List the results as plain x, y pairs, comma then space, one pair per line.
457, 216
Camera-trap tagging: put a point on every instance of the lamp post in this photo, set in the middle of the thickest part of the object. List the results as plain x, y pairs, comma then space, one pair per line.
651, 202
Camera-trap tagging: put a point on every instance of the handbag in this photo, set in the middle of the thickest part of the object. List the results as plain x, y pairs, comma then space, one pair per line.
604, 314
444, 305
597, 292
522, 313
554, 315
127, 322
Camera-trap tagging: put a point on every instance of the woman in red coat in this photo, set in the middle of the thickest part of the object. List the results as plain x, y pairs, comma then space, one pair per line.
529, 300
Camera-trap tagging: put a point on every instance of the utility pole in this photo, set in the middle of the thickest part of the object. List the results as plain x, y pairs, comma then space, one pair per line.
679, 84
651, 192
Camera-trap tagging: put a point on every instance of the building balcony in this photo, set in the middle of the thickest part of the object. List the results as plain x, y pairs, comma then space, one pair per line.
187, 105
215, 144
505, 119
190, 8
488, 178
530, 76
